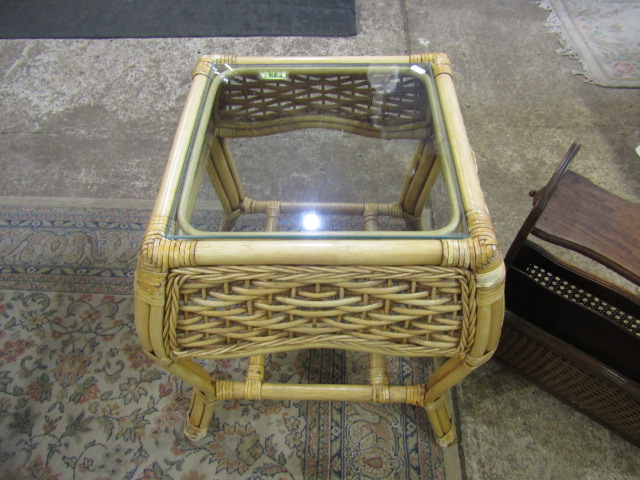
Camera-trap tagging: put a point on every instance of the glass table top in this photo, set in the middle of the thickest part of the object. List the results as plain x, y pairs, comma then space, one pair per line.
317, 151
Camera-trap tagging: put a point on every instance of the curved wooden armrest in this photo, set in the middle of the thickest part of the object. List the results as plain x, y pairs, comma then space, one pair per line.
587, 219
541, 198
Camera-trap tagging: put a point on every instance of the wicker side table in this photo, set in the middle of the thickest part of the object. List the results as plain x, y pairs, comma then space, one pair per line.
428, 285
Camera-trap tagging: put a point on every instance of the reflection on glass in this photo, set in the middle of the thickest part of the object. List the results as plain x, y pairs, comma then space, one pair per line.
319, 150
310, 221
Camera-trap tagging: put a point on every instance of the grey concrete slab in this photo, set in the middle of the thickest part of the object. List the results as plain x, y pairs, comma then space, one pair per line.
512, 430
96, 118
523, 106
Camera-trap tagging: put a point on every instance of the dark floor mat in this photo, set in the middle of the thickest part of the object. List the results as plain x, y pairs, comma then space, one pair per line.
175, 18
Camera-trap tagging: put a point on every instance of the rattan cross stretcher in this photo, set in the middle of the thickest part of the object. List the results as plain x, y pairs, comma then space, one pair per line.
424, 291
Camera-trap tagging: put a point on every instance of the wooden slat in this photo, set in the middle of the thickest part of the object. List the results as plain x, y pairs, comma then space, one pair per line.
586, 218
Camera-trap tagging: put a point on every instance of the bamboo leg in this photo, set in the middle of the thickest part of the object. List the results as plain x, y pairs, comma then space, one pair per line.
203, 397
490, 312
436, 401
232, 166
413, 167
255, 369
370, 215
418, 183
224, 172
433, 397
441, 421
199, 416
255, 377
379, 377
378, 374
273, 216
225, 181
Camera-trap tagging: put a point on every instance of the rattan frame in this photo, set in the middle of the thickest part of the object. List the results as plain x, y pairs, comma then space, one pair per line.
258, 273
277, 111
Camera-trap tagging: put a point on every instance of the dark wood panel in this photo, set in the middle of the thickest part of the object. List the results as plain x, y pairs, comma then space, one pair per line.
585, 218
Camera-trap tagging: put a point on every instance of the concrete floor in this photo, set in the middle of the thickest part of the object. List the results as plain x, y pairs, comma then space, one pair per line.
95, 120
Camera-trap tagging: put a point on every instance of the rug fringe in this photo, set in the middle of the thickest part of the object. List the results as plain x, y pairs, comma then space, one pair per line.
555, 25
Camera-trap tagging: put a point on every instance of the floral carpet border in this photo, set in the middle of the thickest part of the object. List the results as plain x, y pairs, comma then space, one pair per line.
82, 249
79, 400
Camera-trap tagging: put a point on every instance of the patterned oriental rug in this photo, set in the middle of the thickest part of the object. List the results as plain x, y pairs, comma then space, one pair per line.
604, 35
79, 400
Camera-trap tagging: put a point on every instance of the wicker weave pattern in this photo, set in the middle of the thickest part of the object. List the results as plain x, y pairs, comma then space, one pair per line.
568, 380
249, 99
240, 311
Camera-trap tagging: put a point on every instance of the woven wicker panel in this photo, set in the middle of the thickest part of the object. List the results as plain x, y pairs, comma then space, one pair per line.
251, 99
568, 290
239, 311
559, 374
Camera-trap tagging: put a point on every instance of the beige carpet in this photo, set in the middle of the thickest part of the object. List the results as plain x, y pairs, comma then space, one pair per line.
78, 399
603, 35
